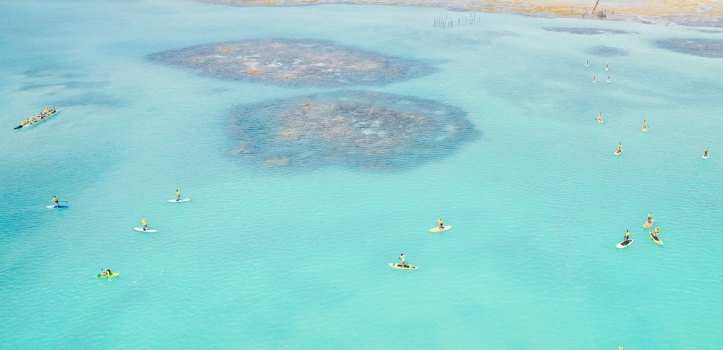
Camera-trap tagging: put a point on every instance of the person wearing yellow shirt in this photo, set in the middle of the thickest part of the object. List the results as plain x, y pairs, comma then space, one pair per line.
178, 195
144, 222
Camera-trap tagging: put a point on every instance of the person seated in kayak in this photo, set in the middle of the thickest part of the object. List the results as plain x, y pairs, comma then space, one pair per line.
441, 224
178, 195
106, 273
56, 202
144, 222
404, 261
627, 235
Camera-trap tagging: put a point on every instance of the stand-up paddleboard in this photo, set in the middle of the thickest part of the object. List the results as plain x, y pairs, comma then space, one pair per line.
112, 275
624, 244
182, 200
438, 230
56, 206
140, 229
399, 266
646, 224
617, 153
644, 129
655, 240
705, 157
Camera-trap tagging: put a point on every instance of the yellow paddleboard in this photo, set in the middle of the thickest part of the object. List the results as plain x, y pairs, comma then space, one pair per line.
436, 229
656, 241
646, 224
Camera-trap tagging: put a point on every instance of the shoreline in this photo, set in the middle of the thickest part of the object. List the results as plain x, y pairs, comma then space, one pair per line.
702, 13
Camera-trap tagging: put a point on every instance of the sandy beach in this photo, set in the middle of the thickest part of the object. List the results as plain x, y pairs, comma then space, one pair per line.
708, 13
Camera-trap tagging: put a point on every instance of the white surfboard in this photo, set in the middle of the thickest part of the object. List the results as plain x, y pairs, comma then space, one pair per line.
56, 206
182, 200
438, 230
621, 246
140, 229
705, 157
398, 266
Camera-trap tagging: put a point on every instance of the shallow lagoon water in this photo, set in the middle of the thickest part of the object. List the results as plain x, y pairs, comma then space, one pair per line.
264, 259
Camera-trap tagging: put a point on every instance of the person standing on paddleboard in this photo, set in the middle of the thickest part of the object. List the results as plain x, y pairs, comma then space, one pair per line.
441, 224
56, 202
144, 222
403, 259
627, 235
178, 195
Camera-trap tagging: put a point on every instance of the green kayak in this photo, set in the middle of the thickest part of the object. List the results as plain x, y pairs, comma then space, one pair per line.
112, 275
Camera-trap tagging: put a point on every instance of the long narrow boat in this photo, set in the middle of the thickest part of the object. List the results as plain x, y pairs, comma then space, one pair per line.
37, 118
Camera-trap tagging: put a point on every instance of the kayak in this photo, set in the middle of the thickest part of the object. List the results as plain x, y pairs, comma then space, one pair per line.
617, 153
657, 241
112, 275
399, 266
624, 244
182, 200
438, 230
56, 206
36, 119
647, 224
150, 230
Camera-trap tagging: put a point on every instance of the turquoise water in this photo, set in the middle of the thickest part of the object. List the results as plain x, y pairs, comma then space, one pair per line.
265, 259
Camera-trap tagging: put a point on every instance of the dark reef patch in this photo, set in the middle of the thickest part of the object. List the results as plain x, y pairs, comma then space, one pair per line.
607, 51
587, 31
352, 129
293, 63
92, 99
696, 47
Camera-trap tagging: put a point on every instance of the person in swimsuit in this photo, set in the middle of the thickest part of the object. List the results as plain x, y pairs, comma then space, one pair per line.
404, 261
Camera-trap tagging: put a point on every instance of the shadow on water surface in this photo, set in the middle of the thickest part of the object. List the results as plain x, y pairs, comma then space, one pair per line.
696, 47
606, 51
587, 31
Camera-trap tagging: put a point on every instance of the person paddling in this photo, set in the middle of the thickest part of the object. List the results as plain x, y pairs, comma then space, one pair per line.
440, 222
404, 261
178, 195
144, 222
56, 202
627, 235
